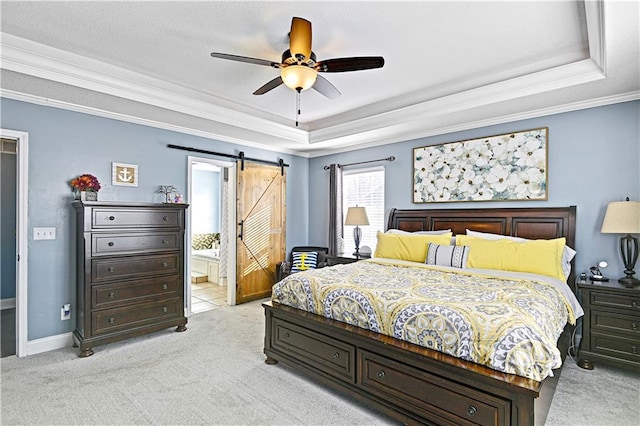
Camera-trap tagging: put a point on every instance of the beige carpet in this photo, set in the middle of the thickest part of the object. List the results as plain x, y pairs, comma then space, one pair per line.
214, 373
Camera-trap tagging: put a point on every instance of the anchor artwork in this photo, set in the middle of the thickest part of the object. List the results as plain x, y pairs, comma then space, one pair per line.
124, 174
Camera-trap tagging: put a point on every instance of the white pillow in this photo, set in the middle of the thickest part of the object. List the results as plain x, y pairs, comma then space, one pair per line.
400, 231
567, 254
455, 256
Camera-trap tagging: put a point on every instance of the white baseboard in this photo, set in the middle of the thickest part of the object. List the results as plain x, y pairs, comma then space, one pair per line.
7, 303
50, 343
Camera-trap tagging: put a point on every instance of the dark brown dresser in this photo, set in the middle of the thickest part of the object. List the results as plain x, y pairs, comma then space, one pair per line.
611, 324
130, 271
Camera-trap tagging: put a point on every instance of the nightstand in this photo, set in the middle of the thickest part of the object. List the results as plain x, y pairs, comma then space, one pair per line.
344, 258
611, 324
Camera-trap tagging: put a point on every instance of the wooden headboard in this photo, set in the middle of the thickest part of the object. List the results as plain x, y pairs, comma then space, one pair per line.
532, 223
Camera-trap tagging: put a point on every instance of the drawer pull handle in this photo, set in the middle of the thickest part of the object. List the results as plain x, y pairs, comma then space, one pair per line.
164, 264
110, 244
472, 410
285, 336
634, 325
164, 242
634, 350
165, 286
164, 309
111, 269
634, 304
112, 295
380, 374
112, 218
165, 218
112, 320
335, 355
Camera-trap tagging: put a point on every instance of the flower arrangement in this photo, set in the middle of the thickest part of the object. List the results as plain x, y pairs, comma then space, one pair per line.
85, 182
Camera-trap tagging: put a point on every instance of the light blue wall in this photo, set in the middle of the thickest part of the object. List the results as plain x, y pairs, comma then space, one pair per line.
64, 144
8, 228
206, 203
593, 159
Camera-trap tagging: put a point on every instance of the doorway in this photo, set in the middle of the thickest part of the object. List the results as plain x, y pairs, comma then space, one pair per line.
18, 253
211, 252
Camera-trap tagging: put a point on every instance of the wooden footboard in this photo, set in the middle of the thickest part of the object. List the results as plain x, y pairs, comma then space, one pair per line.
412, 384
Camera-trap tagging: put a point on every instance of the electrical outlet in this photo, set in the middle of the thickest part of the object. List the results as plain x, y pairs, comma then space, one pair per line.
65, 312
44, 233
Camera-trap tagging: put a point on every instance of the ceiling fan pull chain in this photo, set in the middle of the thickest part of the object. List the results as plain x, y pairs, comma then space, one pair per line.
297, 106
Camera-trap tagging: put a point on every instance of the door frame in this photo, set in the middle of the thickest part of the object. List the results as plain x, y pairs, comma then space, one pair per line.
231, 228
22, 234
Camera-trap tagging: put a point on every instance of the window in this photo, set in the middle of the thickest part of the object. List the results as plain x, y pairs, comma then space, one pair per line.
364, 188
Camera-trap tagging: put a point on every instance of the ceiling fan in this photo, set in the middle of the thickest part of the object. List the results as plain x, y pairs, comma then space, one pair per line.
299, 69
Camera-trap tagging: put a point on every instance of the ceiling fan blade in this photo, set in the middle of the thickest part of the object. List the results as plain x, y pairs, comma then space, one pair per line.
245, 59
269, 86
300, 38
324, 87
350, 64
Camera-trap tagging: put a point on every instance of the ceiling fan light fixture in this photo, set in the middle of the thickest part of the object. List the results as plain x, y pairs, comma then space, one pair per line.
298, 77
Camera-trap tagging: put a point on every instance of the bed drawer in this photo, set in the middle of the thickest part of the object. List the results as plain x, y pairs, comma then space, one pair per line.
439, 400
103, 270
106, 244
135, 218
110, 295
328, 355
126, 318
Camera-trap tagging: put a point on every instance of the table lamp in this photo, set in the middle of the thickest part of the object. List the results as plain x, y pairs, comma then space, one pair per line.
623, 217
356, 216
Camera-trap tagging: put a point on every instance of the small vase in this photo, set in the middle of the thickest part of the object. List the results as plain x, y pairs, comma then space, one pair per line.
87, 196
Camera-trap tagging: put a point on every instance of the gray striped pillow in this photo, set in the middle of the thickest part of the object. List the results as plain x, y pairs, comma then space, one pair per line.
440, 255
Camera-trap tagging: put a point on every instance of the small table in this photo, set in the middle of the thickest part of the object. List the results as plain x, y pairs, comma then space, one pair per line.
611, 324
344, 258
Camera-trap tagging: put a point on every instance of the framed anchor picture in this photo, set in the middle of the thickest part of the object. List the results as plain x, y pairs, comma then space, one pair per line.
124, 174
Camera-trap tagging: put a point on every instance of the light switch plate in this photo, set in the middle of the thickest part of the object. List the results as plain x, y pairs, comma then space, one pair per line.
44, 233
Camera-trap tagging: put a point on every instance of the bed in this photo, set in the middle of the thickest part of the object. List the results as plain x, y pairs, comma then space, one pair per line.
409, 382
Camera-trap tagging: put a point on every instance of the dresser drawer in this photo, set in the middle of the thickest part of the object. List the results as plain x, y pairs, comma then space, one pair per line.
615, 323
440, 400
614, 300
103, 270
322, 352
135, 218
111, 320
105, 244
616, 346
110, 295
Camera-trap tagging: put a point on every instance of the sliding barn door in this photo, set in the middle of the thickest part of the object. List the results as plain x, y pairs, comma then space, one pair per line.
261, 229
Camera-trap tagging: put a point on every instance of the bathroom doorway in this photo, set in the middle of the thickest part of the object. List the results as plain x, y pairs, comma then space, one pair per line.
210, 235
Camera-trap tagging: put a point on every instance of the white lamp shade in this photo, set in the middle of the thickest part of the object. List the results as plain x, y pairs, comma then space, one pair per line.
622, 217
356, 216
298, 77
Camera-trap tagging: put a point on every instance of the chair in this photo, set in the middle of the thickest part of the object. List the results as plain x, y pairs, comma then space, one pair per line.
283, 268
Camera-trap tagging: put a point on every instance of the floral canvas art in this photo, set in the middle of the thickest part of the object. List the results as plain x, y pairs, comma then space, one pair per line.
510, 167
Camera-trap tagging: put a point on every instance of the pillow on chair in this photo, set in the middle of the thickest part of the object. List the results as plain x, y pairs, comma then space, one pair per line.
303, 260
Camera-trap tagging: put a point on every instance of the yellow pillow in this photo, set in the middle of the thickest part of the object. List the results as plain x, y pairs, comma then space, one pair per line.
542, 257
408, 246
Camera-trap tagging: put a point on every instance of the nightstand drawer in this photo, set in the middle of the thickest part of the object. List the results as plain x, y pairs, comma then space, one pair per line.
613, 322
613, 300
616, 346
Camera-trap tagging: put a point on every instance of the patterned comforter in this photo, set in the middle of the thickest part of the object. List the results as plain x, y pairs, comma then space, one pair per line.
508, 322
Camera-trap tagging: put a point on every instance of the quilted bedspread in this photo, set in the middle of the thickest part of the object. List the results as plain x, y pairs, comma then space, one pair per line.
504, 321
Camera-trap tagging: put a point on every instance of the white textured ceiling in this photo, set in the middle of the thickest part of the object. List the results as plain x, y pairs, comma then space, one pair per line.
449, 65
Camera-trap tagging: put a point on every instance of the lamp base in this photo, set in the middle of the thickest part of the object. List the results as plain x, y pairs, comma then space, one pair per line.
629, 281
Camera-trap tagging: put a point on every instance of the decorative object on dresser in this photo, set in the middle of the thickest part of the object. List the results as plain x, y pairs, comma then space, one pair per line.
512, 166
623, 217
611, 324
85, 187
130, 271
168, 191
356, 216
412, 383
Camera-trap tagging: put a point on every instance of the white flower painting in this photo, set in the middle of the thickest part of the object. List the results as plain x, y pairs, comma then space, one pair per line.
511, 167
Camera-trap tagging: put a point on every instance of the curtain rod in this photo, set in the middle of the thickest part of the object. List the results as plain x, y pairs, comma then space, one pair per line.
363, 162
280, 163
